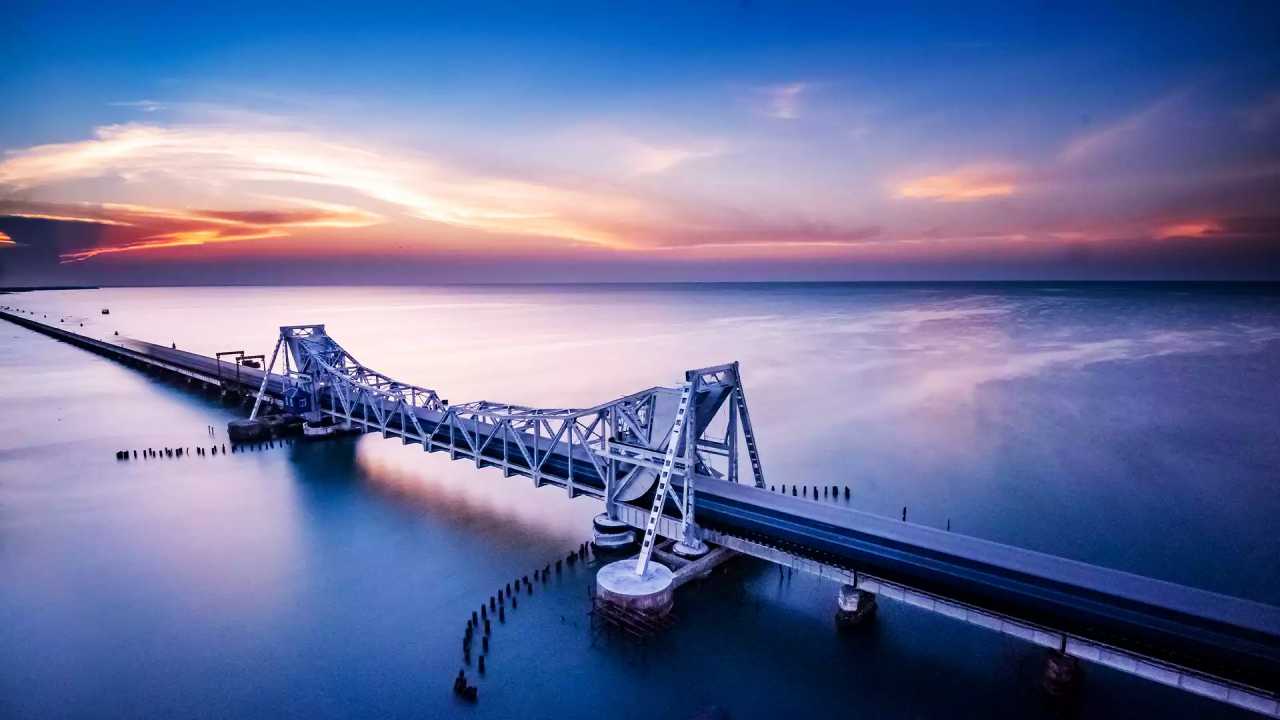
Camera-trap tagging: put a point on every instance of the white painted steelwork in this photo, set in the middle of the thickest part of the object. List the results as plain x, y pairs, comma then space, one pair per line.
614, 451
661, 492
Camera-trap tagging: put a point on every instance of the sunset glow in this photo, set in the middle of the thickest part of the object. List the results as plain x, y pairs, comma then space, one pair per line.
1194, 228
962, 186
802, 144
1003, 280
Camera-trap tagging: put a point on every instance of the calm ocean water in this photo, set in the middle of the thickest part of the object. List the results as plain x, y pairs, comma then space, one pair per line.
1132, 426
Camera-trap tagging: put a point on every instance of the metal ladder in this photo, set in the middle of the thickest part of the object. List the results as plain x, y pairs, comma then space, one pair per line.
664, 479
740, 398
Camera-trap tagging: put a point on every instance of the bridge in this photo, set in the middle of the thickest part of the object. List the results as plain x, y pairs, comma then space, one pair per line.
665, 463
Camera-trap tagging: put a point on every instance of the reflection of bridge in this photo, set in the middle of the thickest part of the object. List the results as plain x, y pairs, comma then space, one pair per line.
666, 461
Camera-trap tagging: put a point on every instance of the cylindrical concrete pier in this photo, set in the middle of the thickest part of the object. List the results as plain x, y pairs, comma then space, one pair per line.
611, 535
652, 593
692, 548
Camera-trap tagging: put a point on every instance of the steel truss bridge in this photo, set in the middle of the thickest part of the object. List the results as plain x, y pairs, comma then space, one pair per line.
666, 461
614, 451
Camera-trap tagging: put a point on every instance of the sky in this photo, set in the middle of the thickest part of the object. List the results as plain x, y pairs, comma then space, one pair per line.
609, 142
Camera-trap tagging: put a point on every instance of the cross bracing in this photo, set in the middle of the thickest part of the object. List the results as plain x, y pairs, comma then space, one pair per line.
614, 451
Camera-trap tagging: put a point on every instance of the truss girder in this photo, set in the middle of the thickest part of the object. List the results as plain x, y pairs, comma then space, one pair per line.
614, 448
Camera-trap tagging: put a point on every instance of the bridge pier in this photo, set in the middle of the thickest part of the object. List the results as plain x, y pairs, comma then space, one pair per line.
651, 594
1061, 674
243, 430
856, 606
612, 536
691, 548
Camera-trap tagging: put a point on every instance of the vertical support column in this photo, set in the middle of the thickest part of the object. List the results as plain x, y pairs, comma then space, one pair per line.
740, 399
731, 440
609, 534
690, 544
317, 410
611, 488
537, 464
690, 459
567, 429
611, 469
664, 478
266, 375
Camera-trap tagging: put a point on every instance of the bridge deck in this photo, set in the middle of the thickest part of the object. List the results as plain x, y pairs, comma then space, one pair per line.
1227, 636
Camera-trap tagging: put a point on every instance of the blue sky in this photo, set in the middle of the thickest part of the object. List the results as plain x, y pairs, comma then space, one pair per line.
638, 141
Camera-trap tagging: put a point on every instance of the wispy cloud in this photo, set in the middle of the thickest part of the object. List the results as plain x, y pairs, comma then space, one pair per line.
783, 101
317, 215
155, 228
623, 152
260, 183
1187, 228
147, 106
967, 184
1114, 136
6, 241
1223, 227
62, 217
653, 160
182, 238
227, 226
796, 234
204, 157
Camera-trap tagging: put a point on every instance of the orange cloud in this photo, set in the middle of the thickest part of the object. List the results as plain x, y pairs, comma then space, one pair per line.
180, 227
159, 187
5, 240
1189, 228
201, 158
182, 238
964, 185
319, 215
63, 218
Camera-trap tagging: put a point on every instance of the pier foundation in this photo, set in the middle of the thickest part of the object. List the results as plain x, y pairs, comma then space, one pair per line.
856, 606
691, 549
612, 536
651, 594
247, 430
1061, 675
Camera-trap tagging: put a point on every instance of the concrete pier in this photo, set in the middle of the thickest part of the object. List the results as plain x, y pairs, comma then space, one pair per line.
1061, 675
244, 430
691, 549
613, 536
856, 606
651, 594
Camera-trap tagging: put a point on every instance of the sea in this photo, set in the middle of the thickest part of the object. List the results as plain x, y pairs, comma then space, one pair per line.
1135, 426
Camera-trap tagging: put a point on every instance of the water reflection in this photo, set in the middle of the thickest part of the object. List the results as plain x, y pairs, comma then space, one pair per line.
1134, 428
509, 510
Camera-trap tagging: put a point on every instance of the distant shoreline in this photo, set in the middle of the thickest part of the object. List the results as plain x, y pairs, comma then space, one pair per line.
33, 288
691, 283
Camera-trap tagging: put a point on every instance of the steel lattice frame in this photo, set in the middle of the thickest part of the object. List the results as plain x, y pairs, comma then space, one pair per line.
619, 442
